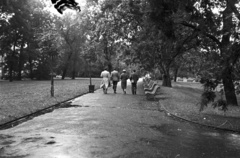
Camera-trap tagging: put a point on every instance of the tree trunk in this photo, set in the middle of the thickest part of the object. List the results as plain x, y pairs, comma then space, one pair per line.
74, 66
107, 54
166, 80
164, 69
110, 67
30, 68
11, 70
19, 69
11, 63
20, 62
66, 66
73, 74
229, 87
3, 69
52, 86
226, 52
64, 72
175, 74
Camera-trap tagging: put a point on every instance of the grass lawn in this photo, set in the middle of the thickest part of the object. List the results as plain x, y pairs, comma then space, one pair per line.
19, 98
183, 100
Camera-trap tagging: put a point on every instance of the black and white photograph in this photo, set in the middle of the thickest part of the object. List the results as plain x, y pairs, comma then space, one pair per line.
119, 78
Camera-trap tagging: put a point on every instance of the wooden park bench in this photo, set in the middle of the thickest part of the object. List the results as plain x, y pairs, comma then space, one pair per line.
150, 85
150, 89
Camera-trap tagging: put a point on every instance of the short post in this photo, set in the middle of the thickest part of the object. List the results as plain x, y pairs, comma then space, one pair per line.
90, 74
52, 84
91, 87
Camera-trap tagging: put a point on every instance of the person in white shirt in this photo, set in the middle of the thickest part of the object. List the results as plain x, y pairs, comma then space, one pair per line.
105, 81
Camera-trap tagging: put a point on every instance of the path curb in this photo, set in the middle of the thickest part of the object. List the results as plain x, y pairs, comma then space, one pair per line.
168, 113
50, 108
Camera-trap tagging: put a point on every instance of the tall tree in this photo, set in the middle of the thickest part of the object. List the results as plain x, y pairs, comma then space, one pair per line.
70, 30
24, 20
156, 30
218, 21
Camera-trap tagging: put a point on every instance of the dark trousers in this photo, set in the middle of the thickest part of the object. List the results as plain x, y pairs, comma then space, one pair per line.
115, 85
134, 88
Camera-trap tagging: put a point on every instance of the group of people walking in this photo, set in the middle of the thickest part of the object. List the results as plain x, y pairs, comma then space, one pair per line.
115, 77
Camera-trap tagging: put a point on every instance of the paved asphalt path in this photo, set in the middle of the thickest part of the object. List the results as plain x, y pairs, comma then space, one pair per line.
114, 126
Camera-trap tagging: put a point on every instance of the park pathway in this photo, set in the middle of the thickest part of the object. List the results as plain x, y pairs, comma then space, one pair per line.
114, 126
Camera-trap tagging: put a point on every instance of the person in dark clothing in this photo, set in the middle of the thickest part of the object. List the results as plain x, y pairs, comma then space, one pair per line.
115, 77
134, 78
124, 78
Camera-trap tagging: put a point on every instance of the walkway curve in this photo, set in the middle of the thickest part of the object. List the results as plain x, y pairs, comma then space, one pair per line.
168, 113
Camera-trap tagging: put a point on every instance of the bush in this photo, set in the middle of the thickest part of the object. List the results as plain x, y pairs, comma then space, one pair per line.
209, 94
220, 103
206, 98
209, 84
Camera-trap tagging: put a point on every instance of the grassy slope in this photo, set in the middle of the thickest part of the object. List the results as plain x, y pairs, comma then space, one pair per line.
183, 100
20, 98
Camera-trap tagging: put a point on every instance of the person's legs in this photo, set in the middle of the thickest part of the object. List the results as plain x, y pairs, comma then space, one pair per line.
124, 86
104, 89
134, 88
106, 84
115, 86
